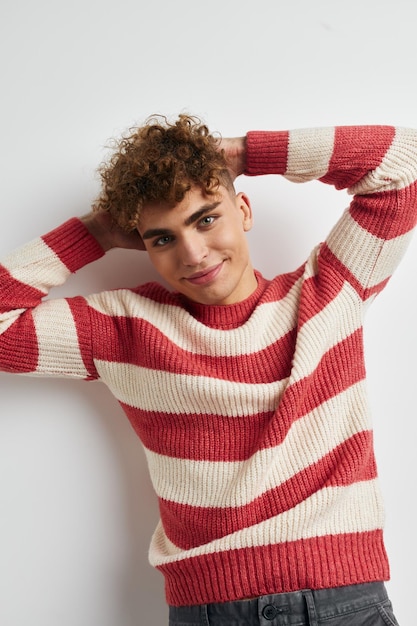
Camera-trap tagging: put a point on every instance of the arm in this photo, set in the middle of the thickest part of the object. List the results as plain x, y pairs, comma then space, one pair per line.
108, 235
48, 337
234, 150
377, 165
36, 336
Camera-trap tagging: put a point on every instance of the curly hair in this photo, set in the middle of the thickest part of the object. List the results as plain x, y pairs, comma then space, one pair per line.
160, 162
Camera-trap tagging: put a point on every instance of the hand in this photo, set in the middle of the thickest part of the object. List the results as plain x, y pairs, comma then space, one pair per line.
103, 228
235, 153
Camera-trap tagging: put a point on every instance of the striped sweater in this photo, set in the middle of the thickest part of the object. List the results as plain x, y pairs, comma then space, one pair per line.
253, 416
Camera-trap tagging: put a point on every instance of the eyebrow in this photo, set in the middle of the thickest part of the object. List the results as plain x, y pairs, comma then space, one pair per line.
194, 217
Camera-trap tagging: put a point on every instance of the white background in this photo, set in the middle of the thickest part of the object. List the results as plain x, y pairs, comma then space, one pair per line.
76, 506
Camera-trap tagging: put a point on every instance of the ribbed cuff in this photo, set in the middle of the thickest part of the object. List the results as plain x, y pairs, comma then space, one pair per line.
73, 244
266, 152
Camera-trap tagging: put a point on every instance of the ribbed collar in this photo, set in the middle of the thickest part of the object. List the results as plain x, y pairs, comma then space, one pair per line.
226, 316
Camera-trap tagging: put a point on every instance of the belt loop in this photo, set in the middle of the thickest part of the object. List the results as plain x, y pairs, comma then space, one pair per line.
204, 615
311, 607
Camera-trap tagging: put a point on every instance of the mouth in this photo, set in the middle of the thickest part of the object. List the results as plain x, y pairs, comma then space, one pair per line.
205, 276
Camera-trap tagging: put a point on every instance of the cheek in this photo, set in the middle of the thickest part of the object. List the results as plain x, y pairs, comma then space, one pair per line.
168, 267
234, 241
161, 262
230, 238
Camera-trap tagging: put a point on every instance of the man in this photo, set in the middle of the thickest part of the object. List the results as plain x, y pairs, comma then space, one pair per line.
248, 394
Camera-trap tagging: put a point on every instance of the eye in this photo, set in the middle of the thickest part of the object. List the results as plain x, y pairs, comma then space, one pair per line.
162, 241
207, 220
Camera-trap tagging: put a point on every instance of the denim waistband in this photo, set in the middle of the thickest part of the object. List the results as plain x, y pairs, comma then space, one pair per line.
324, 602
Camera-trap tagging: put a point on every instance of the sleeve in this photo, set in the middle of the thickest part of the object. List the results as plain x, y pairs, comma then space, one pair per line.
37, 336
377, 165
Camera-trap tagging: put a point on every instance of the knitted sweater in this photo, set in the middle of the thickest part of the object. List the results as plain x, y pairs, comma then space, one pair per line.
253, 416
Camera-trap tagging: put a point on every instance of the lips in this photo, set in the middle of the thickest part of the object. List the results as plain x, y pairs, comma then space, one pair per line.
205, 276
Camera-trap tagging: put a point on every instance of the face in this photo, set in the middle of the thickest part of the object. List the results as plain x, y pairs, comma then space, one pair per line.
200, 248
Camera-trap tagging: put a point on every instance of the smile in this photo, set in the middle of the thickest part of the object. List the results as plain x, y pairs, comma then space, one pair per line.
205, 276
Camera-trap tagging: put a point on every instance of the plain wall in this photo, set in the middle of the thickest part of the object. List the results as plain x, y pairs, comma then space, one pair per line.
76, 506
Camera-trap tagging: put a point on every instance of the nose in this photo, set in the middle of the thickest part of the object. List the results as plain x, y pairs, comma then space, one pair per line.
193, 249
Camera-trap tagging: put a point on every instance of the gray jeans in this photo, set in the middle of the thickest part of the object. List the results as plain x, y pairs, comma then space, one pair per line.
356, 605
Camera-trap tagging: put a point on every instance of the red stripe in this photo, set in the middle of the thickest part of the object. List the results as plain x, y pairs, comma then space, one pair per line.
319, 290
387, 215
138, 342
19, 346
73, 244
15, 294
86, 330
340, 367
185, 436
147, 347
278, 288
357, 150
342, 270
187, 526
317, 563
170, 434
266, 152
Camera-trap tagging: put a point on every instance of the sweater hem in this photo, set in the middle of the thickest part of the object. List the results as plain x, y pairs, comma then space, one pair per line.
316, 563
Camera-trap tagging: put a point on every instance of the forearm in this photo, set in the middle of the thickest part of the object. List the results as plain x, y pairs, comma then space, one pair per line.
341, 156
378, 166
234, 150
108, 235
365, 160
28, 273
35, 336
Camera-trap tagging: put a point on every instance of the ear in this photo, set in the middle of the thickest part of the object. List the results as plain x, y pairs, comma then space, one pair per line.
243, 204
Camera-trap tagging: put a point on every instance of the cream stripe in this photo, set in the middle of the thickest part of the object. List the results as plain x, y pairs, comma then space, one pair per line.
334, 323
269, 322
182, 393
234, 484
8, 318
59, 352
309, 153
35, 264
359, 250
398, 168
331, 511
